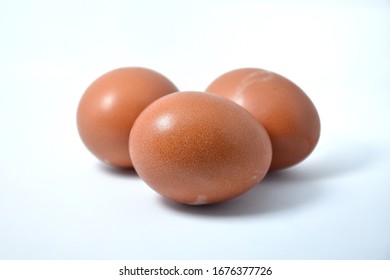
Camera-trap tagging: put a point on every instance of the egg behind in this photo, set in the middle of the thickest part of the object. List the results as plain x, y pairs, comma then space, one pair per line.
198, 148
286, 112
109, 107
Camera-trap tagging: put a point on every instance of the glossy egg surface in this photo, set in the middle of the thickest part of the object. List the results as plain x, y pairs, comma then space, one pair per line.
285, 111
109, 107
199, 148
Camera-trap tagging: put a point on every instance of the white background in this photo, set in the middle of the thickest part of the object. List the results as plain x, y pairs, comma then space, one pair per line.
58, 202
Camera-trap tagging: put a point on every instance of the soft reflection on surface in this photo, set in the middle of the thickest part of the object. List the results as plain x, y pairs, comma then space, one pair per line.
164, 122
108, 101
258, 76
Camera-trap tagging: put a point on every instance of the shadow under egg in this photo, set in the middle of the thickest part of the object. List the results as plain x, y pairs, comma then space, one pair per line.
269, 196
117, 171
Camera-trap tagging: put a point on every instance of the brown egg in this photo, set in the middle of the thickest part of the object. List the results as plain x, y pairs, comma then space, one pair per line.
199, 148
285, 111
109, 107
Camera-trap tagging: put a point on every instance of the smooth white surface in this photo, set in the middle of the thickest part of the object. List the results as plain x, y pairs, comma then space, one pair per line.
58, 202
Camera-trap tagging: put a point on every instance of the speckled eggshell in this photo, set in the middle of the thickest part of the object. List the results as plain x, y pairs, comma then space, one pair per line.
109, 107
286, 112
199, 148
